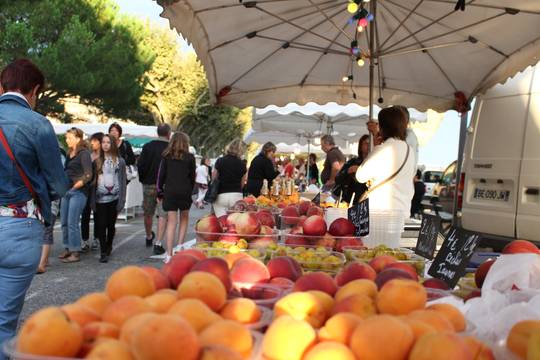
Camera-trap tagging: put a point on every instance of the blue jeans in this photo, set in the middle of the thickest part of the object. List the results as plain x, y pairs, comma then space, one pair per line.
20, 251
71, 208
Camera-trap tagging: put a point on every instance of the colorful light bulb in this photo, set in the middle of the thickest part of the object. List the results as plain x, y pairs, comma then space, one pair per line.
360, 62
370, 17
360, 28
352, 7
363, 22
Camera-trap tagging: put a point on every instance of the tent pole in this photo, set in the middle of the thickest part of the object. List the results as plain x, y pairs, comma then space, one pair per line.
307, 162
373, 10
461, 147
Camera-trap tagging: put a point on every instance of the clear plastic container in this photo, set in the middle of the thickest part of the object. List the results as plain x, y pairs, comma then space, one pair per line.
335, 242
266, 319
229, 239
262, 294
385, 228
401, 254
316, 259
257, 253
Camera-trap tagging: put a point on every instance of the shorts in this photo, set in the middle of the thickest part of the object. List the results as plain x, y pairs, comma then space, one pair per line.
159, 210
149, 199
176, 202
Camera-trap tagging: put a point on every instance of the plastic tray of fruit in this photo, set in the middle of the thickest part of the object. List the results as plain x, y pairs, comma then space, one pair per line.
267, 316
257, 253
315, 258
403, 255
271, 237
265, 295
338, 243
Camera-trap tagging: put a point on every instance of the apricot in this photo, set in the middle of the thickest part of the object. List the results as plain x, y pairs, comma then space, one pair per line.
50, 332
205, 287
249, 270
433, 319
242, 310
451, 313
97, 301
329, 350
382, 337
217, 267
132, 325
81, 314
195, 312
400, 297
161, 281
168, 291
232, 258
100, 329
419, 328
230, 334
124, 308
287, 339
326, 300
301, 306
110, 349
219, 352
478, 349
519, 336
161, 302
339, 328
129, 280
359, 286
440, 346
165, 337
361, 305
316, 281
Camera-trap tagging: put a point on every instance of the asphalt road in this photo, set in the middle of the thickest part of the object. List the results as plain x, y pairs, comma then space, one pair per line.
65, 283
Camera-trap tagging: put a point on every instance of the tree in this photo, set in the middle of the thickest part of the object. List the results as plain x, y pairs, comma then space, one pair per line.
83, 47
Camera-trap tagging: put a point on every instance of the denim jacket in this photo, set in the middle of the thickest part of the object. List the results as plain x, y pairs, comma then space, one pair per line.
35, 147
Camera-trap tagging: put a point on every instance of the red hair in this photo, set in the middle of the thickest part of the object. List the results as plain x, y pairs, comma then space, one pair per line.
22, 75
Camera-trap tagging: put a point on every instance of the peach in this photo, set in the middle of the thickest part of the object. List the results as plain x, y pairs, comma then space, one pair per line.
216, 266
242, 310
249, 271
354, 271
405, 267
205, 287
285, 267
440, 346
282, 283
341, 227
178, 267
195, 312
314, 226
266, 218
315, 211
129, 280
125, 308
520, 246
132, 325
303, 207
266, 230
110, 349
161, 281
219, 352
419, 328
194, 252
165, 337
519, 336
400, 297
360, 286
231, 220
390, 274
301, 220
247, 224
478, 349
301, 306
329, 350
277, 344
296, 237
231, 258
481, 272
290, 215
99, 329
348, 242
382, 337
361, 305
230, 334
339, 328
327, 241
97, 301
209, 227
230, 237
452, 314
223, 221
433, 319
81, 314
49, 332
434, 283
161, 302
316, 281
378, 263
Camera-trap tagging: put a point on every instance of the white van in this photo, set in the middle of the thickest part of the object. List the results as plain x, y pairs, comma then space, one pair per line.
502, 160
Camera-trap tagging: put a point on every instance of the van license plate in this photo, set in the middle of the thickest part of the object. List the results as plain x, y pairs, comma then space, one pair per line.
496, 195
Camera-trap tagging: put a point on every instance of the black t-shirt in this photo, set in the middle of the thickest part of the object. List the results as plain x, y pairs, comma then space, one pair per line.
230, 172
313, 172
261, 168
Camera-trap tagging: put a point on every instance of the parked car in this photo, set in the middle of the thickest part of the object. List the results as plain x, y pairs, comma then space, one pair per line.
443, 191
430, 179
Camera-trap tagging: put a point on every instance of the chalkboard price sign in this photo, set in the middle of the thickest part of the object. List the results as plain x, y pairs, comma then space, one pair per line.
317, 200
359, 216
427, 238
452, 259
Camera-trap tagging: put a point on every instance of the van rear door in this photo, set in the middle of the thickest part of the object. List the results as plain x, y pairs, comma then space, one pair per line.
528, 212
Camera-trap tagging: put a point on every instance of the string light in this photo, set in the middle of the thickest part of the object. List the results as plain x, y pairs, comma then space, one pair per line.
363, 22
360, 28
360, 62
352, 7
347, 78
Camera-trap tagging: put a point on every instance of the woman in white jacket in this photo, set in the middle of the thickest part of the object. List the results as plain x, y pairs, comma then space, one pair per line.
385, 160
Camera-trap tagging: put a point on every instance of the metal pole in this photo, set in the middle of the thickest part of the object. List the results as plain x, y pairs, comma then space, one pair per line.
307, 162
372, 10
461, 147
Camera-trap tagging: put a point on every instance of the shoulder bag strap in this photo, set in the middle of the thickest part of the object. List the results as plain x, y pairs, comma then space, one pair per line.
366, 194
25, 179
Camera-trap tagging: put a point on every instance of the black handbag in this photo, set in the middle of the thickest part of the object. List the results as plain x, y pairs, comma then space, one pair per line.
212, 193
346, 185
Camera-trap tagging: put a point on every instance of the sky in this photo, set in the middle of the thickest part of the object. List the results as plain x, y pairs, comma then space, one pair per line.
439, 152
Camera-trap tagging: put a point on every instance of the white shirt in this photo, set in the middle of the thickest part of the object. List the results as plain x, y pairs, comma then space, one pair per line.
412, 140
382, 163
201, 174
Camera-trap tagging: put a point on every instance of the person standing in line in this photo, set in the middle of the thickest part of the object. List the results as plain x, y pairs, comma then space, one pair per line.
333, 162
201, 180
78, 168
231, 174
313, 170
124, 148
419, 192
175, 184
32, 176
95, 147
108, 195
262, 168
148, 166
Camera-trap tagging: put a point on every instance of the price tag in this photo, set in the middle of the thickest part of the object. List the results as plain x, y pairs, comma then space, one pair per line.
453, 257
359, 216
427, 238
317, 200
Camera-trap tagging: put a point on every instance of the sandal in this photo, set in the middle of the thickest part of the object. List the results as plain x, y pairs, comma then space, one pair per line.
40, 270
74, 257
64, 254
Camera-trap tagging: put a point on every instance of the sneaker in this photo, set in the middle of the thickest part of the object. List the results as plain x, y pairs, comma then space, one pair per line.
94, 245
159, 257
158, 249
85, 248
150, 242
166, 259
104, 258
177, 248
